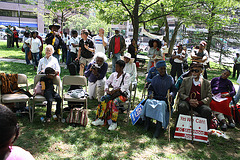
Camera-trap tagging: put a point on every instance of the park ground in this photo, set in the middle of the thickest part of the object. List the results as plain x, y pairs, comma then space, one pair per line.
62, 141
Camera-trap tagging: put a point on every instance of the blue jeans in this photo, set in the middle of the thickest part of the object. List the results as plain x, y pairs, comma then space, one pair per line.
26, 57
35, 58
115, 58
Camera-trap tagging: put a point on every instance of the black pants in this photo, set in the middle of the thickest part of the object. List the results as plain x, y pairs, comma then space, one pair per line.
73, 56
176, 69
64, 54
236, 67
205, 72
15, 40
50, 95
204, 110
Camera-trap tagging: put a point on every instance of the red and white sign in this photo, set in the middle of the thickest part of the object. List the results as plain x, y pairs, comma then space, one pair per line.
184, 131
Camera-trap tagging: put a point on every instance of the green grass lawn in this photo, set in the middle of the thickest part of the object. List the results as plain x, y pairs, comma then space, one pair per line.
62, 141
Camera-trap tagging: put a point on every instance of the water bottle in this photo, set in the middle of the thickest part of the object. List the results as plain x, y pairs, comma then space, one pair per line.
42, 119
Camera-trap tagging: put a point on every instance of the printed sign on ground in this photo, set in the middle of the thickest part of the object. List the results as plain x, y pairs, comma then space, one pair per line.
184, 131
135, 115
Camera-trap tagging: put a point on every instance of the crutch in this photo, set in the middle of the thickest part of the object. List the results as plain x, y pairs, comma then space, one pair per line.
193, 95
169, 105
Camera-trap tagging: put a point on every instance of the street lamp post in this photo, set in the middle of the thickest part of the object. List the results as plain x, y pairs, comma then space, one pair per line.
18, 14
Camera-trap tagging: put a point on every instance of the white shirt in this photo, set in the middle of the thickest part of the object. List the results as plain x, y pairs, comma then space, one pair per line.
74, 41
35, 44
115, 82
98, 43
176, 60
196, 82
50, 62
65, 39
131, 69
24, 39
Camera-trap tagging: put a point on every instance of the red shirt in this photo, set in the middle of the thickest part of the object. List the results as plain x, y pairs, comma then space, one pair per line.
197, 90
117, 45
15, 33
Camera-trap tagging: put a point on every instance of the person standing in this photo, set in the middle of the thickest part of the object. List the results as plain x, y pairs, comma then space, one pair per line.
9, 33
35, 46
86, 50
236, 66
117, 46
53, 38
177, 65
155, 50
64, 48
133, 50
15, 37
100, 42
74, 42
25, 46
201, 55
41, 48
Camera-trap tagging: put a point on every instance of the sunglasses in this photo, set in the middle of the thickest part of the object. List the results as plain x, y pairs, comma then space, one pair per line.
195, 70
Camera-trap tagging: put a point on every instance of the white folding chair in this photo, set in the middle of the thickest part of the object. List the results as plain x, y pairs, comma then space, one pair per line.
40, 98
73, 80
13, 98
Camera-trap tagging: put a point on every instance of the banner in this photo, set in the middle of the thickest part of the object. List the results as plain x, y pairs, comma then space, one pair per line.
184, 131
135, 115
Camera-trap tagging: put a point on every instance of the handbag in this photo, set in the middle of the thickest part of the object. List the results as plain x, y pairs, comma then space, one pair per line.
119, 93
29, 55
38, 89
23, 50
78, 116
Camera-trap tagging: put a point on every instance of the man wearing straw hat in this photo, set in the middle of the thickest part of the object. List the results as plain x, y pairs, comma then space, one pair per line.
53, 38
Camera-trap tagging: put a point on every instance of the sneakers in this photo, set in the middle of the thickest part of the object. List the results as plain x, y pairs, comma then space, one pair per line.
112, 127
232, 125
98, 122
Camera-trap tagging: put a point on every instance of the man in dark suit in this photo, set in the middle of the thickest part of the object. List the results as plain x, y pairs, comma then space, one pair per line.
53, 38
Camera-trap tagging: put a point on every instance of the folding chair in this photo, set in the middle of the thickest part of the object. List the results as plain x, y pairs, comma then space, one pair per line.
13, 98
128, 102
40, 98
73, 80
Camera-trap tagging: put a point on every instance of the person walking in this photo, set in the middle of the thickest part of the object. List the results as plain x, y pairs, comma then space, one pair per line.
117, 46
25, 47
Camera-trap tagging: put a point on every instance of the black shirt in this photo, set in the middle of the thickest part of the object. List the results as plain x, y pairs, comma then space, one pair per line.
48, 83
84, 52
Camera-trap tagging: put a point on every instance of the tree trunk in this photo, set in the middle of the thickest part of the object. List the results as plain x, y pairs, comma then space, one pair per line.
135, 20
209, 41
166, 27
62, 23
174, 36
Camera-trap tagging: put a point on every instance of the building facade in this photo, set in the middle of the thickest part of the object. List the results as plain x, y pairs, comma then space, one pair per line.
20, 13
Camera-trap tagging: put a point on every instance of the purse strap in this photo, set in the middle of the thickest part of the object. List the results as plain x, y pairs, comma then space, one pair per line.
122, 79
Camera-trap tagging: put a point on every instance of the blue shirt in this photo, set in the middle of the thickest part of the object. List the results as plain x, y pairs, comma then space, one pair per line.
101, 72
160, 86
152, 72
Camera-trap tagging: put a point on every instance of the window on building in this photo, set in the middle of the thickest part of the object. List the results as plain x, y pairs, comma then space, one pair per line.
9, 13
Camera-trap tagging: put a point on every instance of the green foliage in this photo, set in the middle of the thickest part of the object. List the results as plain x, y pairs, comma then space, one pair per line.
92, 23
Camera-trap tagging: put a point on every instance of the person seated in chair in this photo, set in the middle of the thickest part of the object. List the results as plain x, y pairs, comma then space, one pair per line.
222, 85
109, 104
96, 74
195, 92
153, 71
130, 67
156, 107
49, 93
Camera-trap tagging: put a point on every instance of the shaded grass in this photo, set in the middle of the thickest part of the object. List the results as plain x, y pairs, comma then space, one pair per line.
61, 141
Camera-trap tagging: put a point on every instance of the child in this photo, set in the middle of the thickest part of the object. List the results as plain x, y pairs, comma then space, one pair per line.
49, 93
